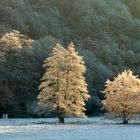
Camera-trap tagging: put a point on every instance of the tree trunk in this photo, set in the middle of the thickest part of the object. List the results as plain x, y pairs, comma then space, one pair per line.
60, 116
61, 119
125, 120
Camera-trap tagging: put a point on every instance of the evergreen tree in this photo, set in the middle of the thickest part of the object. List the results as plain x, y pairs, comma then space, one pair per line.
63, 88
18, 71
123, 96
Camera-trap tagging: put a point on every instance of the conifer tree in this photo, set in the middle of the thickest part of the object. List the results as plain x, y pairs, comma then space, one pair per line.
123, 96
63, 86
18, 68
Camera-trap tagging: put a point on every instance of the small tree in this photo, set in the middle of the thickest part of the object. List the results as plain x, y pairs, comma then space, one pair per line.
123, 96
63, 86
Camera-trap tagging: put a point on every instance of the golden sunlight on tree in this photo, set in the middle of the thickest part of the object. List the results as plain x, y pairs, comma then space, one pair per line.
15, 40
123, 96
63, 88
18, 70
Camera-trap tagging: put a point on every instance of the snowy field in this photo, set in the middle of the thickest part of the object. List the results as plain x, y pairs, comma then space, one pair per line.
74, 129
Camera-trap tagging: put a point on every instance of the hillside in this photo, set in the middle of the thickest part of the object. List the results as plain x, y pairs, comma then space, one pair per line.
106, 33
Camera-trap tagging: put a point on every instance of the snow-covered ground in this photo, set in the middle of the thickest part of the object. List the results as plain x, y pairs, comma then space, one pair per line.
98, 128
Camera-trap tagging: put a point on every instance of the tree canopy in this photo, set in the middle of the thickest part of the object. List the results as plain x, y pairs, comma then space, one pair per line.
123, 95
63, 88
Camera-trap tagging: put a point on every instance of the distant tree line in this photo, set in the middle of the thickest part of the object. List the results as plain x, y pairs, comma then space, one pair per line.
106, 33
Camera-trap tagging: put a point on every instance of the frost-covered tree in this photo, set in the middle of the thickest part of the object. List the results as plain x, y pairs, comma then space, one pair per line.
19, 76
75, 84
63, 88
123, 96
50, 93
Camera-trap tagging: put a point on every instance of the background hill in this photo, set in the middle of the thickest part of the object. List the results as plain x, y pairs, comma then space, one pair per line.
106, 33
